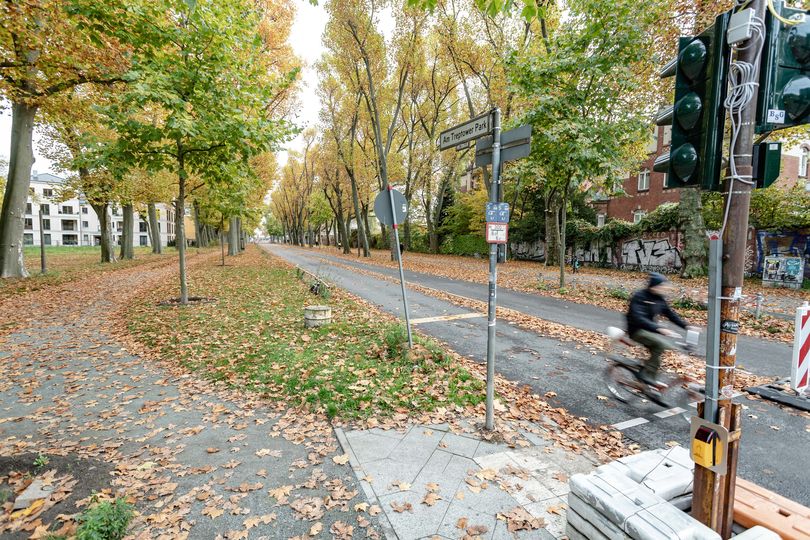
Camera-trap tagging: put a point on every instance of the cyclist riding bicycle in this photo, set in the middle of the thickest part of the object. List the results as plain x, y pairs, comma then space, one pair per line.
645, 307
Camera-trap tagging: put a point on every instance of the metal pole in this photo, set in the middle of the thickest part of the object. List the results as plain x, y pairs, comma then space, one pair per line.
43, 265
399, 261
713, 328
493, 273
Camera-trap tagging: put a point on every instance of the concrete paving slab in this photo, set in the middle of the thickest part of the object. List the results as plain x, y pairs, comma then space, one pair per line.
456, 511
421, 521
553, 512
459, 445
371, 446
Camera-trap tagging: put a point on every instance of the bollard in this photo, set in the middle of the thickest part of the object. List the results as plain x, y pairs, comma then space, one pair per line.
758, 309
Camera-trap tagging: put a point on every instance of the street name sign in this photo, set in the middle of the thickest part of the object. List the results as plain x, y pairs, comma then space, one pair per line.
468, 131
515, 144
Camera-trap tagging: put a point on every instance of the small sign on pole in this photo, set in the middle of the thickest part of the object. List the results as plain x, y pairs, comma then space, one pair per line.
497, 233
800, 370
468, 131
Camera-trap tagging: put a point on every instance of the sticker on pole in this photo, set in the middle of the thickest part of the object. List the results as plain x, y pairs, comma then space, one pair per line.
800, 370
497, 233
497, 212
382, 207
776, 116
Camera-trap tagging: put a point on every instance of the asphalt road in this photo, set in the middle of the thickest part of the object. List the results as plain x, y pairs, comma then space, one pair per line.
774, 440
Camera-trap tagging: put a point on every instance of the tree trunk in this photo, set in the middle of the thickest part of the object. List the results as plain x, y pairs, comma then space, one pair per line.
127, 250
154, 228
180, 225
197, 228
233, 239
694, 231
361, 235
552, 230
107, 247
12, 217
222, 240
242, 235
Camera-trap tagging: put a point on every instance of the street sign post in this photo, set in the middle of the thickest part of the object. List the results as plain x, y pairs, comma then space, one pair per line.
391, 209
468, 131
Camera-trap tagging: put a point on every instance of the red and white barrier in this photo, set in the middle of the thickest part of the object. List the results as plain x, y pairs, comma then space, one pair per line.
800, 372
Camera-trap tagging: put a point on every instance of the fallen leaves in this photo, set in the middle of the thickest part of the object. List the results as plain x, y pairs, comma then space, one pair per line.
309, 508
518, 519
401, 507
341, 460
431, 498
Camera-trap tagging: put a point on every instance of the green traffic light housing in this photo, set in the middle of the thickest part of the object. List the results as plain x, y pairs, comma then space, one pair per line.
784, 86
698, 116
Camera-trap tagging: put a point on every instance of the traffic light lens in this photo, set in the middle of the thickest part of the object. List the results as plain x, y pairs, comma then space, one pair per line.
693, 58
796, 97
684, 161
687, 110
799, 43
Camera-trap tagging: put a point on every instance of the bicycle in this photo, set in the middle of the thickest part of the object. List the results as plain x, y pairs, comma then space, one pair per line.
676, 393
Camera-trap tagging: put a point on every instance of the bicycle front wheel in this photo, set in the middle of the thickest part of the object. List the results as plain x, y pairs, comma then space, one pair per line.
619, 379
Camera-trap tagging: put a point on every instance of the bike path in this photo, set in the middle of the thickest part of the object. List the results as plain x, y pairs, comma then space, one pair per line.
575, 375
756, 355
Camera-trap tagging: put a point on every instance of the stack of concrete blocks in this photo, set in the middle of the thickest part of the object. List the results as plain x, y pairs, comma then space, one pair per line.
643, 497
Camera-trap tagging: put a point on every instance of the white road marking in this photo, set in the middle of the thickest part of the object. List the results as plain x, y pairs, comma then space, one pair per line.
630, 423
447, 318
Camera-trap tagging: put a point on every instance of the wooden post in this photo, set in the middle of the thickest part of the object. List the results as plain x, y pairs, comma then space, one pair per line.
729, 480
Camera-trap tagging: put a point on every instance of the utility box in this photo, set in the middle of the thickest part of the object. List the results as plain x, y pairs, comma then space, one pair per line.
709, 445
767, 162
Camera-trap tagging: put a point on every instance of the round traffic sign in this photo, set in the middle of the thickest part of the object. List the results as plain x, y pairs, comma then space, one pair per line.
382, 207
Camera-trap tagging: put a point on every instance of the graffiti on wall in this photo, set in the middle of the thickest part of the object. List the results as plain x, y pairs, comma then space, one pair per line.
529, 251
794, 244
654, 255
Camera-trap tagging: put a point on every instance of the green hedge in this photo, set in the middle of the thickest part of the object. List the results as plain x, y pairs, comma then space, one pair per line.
465, 244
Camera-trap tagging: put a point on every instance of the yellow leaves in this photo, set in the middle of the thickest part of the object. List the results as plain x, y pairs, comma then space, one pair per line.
401, 507
281, 493
341, 460
25, 512
213, 511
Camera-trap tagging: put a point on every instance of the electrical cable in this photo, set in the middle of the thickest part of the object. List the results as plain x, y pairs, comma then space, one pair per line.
779, 18
743, 86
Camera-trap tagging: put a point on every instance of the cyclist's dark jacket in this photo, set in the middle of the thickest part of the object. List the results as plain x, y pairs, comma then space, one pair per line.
645, 306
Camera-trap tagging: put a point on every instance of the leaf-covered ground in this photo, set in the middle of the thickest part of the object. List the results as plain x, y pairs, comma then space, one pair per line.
602, 287
66, 263
252, 335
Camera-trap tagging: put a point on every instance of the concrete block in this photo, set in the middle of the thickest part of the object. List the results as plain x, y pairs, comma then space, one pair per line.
758, 533
597, 520
574, 534
664, 472
682, 503
615, 496
664, 521
582, 526
35, 490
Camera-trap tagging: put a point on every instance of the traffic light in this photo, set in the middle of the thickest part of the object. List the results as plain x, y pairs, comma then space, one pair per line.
698, 115
784, 84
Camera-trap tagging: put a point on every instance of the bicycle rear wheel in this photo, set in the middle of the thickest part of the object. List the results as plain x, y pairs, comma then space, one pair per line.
618, 378
679, 396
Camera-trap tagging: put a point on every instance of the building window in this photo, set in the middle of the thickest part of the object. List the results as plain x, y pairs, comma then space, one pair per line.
115, 211
47, 239
86, 239
600, 220
84, 210
159, 227
637, 215
68, 225
29, 223
144, 241
46, 224
119, 226
28, 239
644, 180
142, 226
805, 157
67, 209
70, 239
47, 192
45, 209
85, 224
28, 208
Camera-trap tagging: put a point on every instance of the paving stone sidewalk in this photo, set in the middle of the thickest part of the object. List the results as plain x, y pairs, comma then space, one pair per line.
198, 461
476, 485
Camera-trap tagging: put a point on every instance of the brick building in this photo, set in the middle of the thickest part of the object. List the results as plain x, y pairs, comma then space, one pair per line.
644, 189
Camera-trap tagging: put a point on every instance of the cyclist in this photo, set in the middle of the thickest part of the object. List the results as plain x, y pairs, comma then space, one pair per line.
645, 307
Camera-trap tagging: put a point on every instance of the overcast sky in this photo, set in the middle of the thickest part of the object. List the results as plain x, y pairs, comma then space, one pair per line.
305, 38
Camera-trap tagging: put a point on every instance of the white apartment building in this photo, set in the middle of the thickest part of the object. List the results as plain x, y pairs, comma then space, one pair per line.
73, 222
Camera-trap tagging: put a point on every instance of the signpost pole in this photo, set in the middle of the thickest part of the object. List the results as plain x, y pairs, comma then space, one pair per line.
399, 261
493, 273
713, 327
